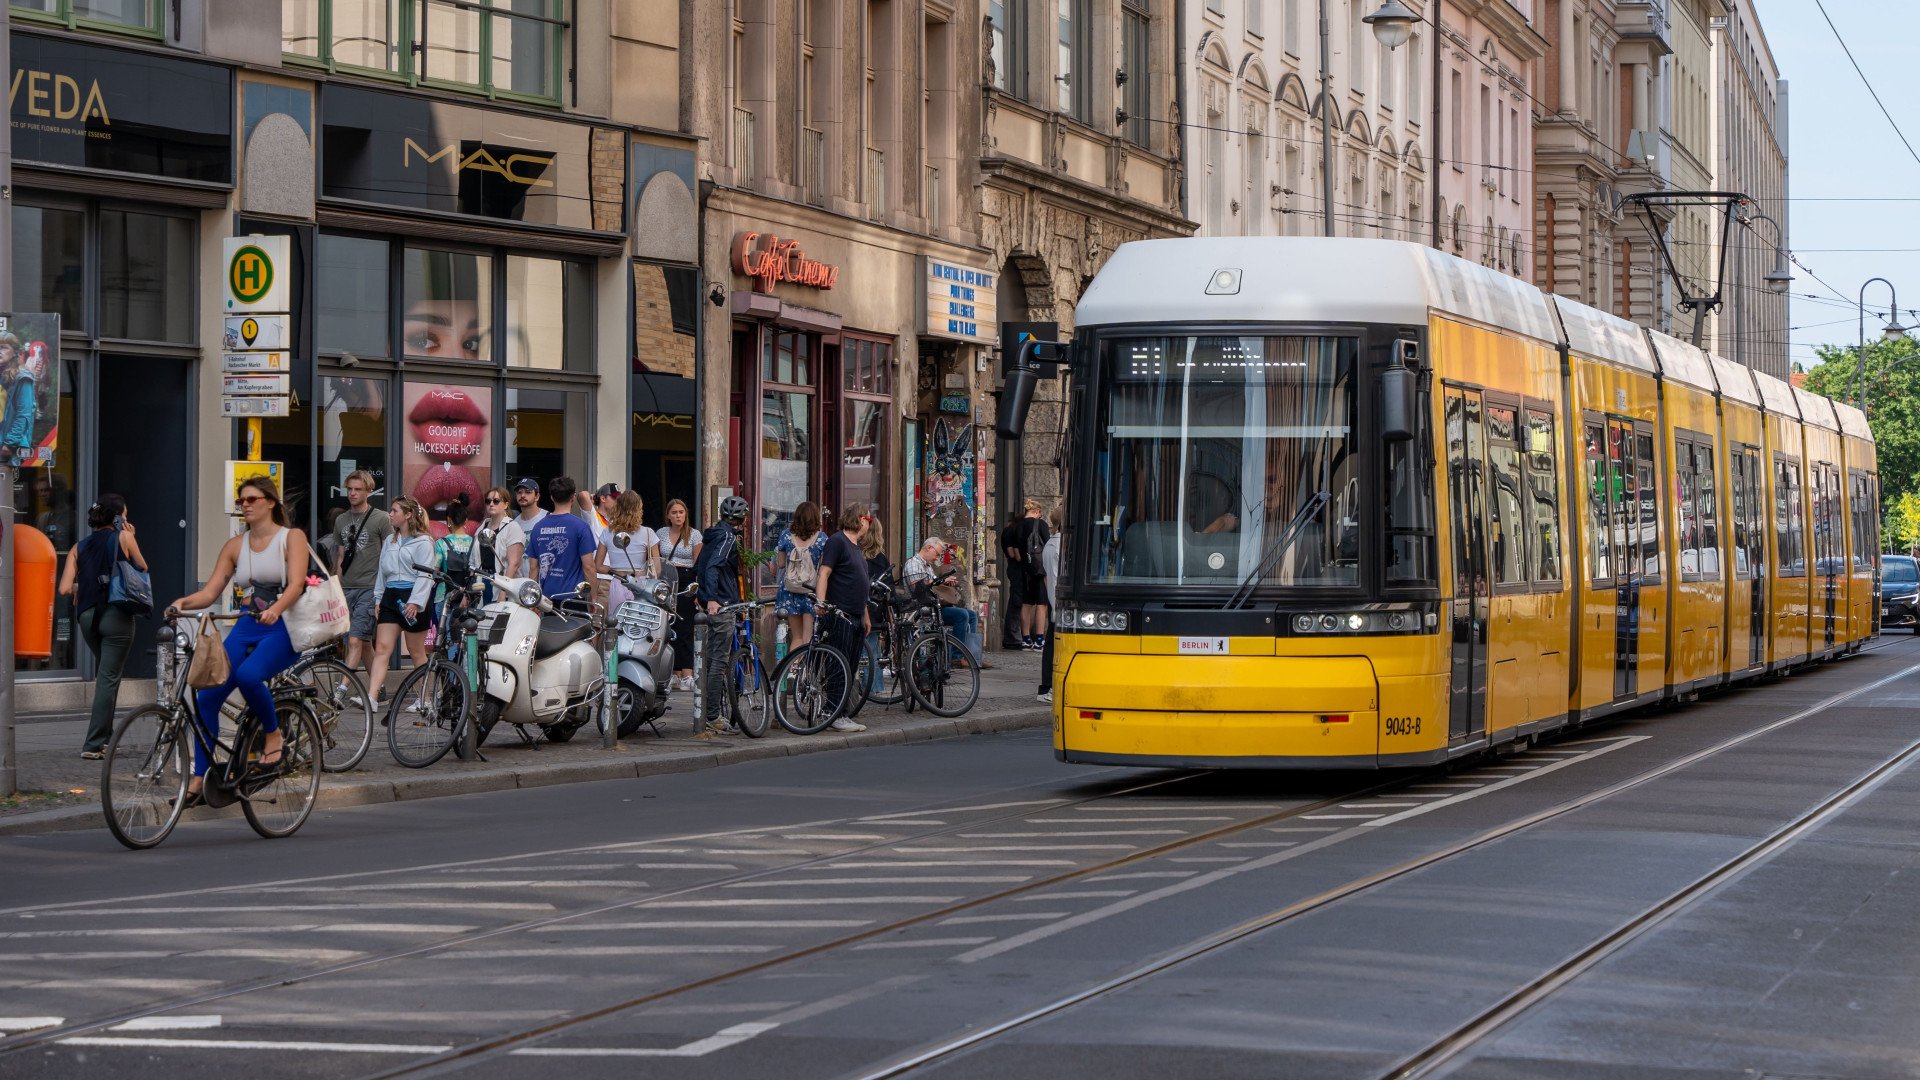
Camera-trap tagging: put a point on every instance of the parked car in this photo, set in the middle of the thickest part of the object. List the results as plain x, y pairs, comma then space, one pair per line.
1899, 592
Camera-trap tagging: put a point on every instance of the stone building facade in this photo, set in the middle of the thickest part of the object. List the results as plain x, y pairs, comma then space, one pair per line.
1489, 56
1750, 156
1579, 147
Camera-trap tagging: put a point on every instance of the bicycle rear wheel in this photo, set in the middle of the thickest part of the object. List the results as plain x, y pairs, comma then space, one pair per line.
279, 798
341, 707
428, 709
810, 688
143, 780
936, 682
749, 692
887, 687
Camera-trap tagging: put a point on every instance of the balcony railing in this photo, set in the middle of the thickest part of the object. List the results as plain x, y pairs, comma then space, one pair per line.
876, 182
743, 165
813, 164
936, 209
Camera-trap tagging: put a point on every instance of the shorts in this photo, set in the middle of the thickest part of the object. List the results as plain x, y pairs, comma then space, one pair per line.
393, 611
1035, 590
364, 606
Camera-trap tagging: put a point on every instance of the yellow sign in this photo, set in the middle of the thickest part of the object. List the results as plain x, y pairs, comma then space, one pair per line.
254, 281
239, 472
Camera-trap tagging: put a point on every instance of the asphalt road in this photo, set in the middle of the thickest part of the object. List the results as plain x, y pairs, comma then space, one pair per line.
970, 908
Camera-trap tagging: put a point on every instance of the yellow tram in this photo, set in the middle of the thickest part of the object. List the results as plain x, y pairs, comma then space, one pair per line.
1348, 503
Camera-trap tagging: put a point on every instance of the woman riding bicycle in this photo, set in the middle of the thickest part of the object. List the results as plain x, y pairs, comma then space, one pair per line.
267, 565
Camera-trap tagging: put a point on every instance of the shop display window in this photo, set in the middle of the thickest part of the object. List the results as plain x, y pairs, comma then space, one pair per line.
350, 280
448, 313
549, 309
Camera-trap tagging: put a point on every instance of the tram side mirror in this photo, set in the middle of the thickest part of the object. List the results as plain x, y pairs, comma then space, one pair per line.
1397, 396
1023, 376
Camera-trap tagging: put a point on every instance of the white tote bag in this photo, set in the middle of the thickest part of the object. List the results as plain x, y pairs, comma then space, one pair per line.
321, 614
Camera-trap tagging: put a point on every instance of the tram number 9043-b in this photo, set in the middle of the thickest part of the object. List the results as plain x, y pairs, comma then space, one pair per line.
1403, 725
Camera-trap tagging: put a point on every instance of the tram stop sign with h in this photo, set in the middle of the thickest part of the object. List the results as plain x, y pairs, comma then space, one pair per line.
258, 269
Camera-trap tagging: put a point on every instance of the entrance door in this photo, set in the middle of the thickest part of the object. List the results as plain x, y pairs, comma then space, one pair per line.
1466, 493
144, 403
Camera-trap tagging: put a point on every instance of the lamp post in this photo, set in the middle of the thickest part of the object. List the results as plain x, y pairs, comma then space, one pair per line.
1776, 279
1893, 332
1326, 126
1393, 26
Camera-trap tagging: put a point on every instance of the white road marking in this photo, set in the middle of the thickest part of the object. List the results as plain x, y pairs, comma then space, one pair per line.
902, 821
1103, 878
1625, 741
157, 954
1133, 820
1338, 817
252, 1044
1300, 828
1376, 805
169, 1023
606, 950
30, 1023
964, 809
832, 836
1082, 894
786, 883
1431, 787
1074, 832
716, 924
683, 866
106, 984
890, 864
1013, 847
167, 931
1038, 916
569, 867
756, 851
811, 901
927, 943
1258, 843
269, 909
724, 1038
524, 883
1211, 859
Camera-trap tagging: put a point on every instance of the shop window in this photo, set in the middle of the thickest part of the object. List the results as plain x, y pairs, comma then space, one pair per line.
449, 305
786, 452
545, 432
446, 451
350, 285
49, 263
139, 16
869, 367
863, 457
666, 314
145, 261
549, 313
497, 47
786, 357
353, 436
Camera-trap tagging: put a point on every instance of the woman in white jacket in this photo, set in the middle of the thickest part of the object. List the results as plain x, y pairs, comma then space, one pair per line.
406, 595
1050, 565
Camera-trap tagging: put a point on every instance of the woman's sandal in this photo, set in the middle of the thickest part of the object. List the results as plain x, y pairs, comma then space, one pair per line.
191, 800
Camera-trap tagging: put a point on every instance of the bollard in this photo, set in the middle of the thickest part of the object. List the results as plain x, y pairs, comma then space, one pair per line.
701, 620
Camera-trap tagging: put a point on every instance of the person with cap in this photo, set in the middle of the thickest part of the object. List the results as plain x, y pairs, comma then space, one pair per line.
526, 500
716, 570
605, 497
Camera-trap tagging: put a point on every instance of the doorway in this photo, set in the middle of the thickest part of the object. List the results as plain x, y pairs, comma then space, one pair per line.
146, 402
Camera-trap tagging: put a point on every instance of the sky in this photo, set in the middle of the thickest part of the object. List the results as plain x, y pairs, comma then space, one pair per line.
1841, 147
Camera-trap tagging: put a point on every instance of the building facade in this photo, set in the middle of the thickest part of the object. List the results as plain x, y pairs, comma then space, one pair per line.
489, 220
1750, 156
1489, 54
1579, 151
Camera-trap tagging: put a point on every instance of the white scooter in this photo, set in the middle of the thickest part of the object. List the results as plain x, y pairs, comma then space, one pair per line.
643, 676
542, 669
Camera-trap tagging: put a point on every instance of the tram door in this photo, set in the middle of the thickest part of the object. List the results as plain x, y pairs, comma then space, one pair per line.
1626, 519
1466, 493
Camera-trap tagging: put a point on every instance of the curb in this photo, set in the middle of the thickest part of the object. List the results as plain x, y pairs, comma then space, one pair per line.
429, 784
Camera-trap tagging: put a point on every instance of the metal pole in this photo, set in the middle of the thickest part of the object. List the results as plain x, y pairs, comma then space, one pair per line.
1859, 356
700, 622
1433, 167
9, 761
1326, 126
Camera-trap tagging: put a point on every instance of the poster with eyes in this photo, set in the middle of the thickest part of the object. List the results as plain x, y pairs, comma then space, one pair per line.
448, 454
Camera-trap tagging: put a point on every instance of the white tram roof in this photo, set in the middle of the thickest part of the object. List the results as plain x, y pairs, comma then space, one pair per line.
1816, 410
1596, 335
1736, 381
1852, 421
1683, 362
1310, 279
1776, 395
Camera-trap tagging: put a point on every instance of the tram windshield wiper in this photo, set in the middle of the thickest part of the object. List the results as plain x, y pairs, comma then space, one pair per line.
1280, 546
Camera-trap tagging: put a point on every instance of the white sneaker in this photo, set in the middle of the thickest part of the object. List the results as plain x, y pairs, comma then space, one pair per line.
844, 724
1044, 698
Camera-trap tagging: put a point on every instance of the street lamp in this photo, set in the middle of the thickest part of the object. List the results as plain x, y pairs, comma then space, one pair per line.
1893, 332
1392, 24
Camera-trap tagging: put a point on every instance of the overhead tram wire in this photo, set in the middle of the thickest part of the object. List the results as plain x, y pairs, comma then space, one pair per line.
1864, 81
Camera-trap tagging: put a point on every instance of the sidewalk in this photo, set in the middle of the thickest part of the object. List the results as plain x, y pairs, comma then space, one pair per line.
60, 791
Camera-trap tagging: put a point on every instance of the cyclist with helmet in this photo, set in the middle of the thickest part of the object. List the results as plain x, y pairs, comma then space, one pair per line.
717, 571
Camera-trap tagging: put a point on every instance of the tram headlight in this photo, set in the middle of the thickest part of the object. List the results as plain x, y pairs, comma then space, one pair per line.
1094, 620
1356, 622
1303, 624
1379, 619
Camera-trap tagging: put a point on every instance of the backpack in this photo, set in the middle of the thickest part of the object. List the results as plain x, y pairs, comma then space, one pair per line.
801, 575
1032, 542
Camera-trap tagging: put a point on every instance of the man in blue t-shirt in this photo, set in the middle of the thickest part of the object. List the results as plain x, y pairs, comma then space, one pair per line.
562, 546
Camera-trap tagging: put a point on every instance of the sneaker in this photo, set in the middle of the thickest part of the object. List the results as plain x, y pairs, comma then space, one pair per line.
1044, 697
721, 729
92, 755
844, 724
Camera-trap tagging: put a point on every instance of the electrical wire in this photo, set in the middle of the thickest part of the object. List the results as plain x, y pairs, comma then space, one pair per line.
1864, 81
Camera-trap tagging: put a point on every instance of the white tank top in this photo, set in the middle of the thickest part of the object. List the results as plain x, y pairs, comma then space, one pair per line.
267, 567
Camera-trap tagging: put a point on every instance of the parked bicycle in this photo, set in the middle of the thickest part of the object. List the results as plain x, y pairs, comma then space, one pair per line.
436, 700
746, 682
143, 781
918, 660
812, 686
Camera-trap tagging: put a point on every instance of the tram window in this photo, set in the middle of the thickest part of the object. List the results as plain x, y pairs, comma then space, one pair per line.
1543, 489
1646, 507
1410, 528
1509, 521
1752, 517
1688, 535
1787, 514
1860, 502
1706, 498
1599, 543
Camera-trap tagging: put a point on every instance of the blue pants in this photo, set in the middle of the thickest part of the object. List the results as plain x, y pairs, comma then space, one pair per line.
965, 624
255, 654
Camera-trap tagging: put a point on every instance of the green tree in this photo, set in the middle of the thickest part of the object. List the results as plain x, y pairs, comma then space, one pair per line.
1893, 409
1901, 529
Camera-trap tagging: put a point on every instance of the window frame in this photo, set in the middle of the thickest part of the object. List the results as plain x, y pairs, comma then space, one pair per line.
63, 16
1522, 533
412, 43
1136, 97
1551, 473
1790, 531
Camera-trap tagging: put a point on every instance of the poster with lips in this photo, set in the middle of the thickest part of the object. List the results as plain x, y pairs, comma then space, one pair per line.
449, 448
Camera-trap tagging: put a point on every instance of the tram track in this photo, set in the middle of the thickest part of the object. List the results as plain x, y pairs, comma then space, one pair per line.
1438, 1056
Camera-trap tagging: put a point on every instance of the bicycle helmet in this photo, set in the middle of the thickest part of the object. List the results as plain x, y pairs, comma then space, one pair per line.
733, 508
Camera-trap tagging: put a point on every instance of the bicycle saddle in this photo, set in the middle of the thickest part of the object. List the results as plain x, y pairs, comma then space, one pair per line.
559, 631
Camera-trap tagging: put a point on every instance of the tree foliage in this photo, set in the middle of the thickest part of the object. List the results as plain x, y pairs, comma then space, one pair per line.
1901, 529
1893, 411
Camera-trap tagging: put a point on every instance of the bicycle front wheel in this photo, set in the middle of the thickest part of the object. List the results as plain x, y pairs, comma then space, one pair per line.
810, 688
749, 692
427, 712
143, 780
885, 686
941, 686
278, 798
340, 706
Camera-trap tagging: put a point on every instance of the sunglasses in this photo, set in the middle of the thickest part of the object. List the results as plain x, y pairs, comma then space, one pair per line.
249, 500
491, 501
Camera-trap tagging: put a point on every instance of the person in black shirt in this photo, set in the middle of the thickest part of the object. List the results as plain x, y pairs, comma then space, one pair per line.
1015, 578
717, 570
843, 585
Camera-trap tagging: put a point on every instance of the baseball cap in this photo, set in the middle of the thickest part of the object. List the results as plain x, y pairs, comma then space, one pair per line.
527, 483
611, 491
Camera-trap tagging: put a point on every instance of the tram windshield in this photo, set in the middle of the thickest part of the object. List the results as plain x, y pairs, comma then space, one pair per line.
1207, 446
